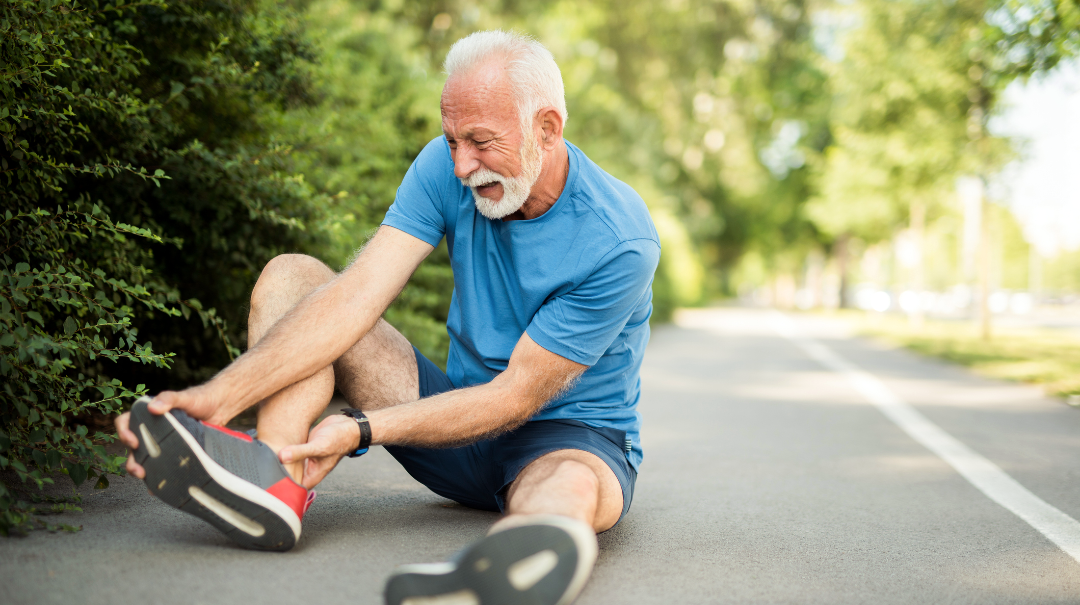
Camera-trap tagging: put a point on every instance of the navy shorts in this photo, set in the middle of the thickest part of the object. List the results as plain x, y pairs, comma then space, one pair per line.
479, 475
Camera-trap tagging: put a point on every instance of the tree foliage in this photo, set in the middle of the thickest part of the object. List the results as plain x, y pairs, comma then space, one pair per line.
156, 155
139, 163
379, 107
899, 116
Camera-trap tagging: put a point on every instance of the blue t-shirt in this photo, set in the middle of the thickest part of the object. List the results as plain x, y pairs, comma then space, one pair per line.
578, 279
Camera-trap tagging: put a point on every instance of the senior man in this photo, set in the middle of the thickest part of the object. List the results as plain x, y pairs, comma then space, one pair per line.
536, 415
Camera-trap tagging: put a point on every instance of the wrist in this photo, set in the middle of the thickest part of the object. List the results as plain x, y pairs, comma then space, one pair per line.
362, 430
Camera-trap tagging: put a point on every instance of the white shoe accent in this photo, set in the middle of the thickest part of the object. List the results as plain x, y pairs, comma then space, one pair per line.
248, 526
461, 597
524, 574
431, 569
584, 538
151, 444
236, 485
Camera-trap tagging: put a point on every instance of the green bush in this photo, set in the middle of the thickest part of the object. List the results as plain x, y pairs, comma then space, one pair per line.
139, 162
379, 106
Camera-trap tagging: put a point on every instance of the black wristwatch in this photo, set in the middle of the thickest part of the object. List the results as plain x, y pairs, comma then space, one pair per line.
365, 431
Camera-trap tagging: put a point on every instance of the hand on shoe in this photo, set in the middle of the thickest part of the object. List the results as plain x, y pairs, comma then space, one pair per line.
193, 401
327, 444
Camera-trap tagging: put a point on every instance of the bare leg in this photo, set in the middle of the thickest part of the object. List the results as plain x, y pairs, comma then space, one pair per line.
564, 494
378, 371
571, 483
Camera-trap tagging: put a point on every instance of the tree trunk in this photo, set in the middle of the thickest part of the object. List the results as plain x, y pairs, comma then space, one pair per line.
917, 212
984, 270
840, 249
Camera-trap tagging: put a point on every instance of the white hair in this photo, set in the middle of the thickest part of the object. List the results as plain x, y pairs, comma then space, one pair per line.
534, 77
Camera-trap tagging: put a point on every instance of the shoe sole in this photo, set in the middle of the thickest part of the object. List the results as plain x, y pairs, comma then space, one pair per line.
539, 564
184, 476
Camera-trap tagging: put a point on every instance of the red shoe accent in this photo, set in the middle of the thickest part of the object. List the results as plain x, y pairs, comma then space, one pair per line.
293, 494
236, 434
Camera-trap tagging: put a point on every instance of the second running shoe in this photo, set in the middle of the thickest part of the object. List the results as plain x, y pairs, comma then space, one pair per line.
543, 561
232, 481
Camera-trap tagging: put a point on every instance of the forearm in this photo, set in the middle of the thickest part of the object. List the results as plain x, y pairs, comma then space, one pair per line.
533, 377
453, 418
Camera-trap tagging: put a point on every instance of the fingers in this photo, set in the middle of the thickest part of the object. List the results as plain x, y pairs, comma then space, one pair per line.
123, 431
128, 438
164, 401
315, 470
133, 468
303, 451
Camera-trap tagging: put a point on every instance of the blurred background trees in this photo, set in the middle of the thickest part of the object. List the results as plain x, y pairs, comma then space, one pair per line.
155, 155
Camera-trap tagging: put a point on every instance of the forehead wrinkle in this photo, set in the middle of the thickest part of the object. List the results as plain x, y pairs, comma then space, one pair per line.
481, 97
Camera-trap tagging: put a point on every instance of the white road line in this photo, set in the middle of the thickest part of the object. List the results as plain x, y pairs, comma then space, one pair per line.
987, 477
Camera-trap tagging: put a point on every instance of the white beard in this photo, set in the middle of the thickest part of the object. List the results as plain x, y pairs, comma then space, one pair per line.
515, 189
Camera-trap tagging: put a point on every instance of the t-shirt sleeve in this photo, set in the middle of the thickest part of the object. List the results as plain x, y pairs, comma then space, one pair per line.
419, 207
581, 324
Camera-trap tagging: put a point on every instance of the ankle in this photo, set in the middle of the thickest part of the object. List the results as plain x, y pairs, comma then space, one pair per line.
518, 519
294, 469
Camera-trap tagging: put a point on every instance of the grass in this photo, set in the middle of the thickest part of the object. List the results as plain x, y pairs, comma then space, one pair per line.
1050, 358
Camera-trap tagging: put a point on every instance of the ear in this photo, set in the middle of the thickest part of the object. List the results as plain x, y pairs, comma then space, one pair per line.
551, 127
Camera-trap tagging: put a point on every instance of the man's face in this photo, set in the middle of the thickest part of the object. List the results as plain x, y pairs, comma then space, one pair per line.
491, 155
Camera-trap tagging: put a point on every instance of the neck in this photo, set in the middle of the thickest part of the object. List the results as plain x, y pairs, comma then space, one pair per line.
549, 185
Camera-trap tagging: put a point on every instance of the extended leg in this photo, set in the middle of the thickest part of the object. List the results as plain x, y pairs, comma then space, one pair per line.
571, 483
542, 552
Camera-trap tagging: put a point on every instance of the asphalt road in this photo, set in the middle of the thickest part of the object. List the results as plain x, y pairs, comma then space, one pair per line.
767, 478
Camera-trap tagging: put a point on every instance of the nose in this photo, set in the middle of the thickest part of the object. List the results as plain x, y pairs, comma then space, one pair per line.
465, 160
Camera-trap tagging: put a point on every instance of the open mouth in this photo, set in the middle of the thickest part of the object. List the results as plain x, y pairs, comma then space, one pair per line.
487, 188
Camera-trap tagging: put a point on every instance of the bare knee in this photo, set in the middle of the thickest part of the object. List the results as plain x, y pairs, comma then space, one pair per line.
284, 280
289, 276
568, 480
578, 479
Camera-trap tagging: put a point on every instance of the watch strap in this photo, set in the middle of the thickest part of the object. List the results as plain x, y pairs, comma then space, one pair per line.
365, 431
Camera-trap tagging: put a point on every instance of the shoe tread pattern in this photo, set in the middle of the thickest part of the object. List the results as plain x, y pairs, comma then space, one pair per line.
169, 475
490, 581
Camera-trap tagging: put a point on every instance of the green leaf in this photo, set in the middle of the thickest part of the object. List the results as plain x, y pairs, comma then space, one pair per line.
34, 315
36, 436
102, 482
53, 458
77, 472
70, 326
39, 458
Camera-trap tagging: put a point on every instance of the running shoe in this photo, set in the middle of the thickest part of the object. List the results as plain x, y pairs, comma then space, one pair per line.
224, 477
545, 561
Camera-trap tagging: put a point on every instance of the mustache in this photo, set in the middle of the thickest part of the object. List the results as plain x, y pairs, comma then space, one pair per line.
483, 176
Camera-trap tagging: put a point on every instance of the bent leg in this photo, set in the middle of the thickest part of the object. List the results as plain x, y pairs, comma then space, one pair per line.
379, 370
